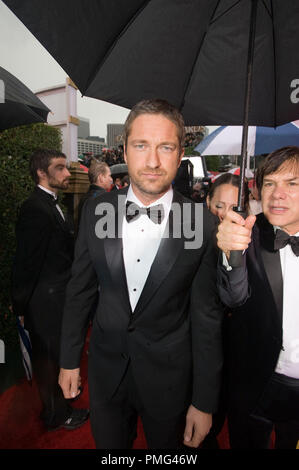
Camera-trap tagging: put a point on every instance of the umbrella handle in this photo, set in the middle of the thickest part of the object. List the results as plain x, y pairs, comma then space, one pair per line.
236, 256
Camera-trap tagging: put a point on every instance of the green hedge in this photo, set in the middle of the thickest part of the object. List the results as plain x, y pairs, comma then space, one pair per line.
16, 146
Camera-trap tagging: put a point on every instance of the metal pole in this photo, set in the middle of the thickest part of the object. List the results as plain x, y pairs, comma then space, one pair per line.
236, 258
250, 56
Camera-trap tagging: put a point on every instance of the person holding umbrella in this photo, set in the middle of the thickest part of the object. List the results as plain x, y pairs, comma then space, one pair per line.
263, 296
155, 348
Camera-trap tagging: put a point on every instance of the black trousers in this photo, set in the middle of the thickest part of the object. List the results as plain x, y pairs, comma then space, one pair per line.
277, 409
45, 365
114, 423
44, 331
43, 321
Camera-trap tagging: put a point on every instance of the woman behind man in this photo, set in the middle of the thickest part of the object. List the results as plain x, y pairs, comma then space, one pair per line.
223, 195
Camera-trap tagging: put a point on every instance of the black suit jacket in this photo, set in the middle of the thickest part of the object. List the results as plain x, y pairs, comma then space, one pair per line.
93, 191
254, 293
42, 263
179, 302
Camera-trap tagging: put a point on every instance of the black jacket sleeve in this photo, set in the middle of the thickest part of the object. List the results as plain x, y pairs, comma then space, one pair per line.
81, 294
233, 286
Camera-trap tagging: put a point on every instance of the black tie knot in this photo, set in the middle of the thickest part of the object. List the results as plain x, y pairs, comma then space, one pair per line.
155, 213
282, 239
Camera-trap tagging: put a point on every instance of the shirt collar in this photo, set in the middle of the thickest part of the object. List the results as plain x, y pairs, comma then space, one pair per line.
48, 191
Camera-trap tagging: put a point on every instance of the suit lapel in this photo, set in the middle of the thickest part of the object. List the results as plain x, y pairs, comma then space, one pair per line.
62, 223
47, 198
166, 257
271, 262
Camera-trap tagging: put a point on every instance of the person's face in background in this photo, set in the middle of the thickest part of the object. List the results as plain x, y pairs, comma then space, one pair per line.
117, 182
280, 198
224, 199
105, 180
56, 177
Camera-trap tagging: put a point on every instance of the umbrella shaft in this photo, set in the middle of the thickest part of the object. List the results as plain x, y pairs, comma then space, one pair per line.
247, 102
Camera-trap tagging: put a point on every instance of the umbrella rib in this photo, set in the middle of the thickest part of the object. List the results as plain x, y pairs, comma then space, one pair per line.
267, 9
224, 12
110, 49
274, 64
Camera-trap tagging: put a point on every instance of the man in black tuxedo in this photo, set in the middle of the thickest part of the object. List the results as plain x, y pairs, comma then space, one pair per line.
155, 346
99, 175
41, 271
263, 294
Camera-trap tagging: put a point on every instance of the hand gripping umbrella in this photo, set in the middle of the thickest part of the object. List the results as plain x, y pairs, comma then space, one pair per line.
18, 105
228, 62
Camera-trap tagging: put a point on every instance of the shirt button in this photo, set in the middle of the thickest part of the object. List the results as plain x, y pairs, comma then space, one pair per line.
134, 290
138, 261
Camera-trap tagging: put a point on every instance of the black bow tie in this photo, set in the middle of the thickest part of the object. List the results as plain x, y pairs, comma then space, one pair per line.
50, 197
282, 239
54, 200
155, 213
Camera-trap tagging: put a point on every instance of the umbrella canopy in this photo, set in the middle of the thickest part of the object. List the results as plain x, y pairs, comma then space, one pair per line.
191, 52
18, 105
119, 169
235, 171
226, 140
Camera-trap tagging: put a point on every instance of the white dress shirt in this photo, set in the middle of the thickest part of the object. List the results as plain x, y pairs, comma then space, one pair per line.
288, 361
55, 197
141, 241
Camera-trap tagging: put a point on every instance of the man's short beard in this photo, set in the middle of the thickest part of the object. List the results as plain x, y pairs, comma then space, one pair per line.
62, 185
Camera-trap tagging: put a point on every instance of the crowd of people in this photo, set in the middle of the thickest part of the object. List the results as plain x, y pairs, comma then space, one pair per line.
193, 138
111, 156
183, 334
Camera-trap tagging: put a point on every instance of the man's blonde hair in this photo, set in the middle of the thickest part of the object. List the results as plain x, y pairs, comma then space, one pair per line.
97, 168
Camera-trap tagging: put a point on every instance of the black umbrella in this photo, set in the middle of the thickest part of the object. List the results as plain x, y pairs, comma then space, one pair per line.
227, 62
191, 52
18, 105
119, 169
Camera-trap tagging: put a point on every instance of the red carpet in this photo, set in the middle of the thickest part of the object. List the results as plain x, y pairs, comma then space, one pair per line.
20, 427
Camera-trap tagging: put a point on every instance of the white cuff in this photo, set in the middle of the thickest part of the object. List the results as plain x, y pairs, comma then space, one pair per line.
225, 262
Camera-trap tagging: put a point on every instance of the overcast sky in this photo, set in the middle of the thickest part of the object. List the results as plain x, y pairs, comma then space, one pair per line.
23, 56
